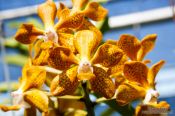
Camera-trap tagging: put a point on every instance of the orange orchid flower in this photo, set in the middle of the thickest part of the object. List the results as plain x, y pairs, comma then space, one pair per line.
133, 48
28, 95
138, 82
83, 66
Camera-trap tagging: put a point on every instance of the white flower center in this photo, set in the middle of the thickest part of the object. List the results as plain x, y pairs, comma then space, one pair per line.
151, 96
85, 66
50, 35
18, 99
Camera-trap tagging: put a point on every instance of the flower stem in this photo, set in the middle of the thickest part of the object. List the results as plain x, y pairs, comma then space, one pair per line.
87, 101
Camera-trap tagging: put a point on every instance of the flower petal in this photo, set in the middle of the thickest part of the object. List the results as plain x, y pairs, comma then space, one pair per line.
65, 83
87, 25
119, 79
35, 78
62, 11
118, 68
47, 12
73, 21
62, 58
130, 45
42, 57
102, 83
127, 93
95, 11
153, 72
27, 34
34, 50
66, 40
107, 55
9, 108
78, 4
136, 71
147, 44
38, 99
49, 78
85, 43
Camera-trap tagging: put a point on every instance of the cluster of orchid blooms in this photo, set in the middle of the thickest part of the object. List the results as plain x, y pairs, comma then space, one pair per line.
69, 53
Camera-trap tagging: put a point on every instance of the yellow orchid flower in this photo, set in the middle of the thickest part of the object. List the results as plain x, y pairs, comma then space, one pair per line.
28, 34
83, 9
138, 82
133, 48
47, 11
28, 95
80, 10
84, 65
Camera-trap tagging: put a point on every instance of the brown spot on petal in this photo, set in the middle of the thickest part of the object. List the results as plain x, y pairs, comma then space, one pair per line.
135, 71
38, 99
107, 55
102, 83
27, 33
130, 45
127, 93
65, 83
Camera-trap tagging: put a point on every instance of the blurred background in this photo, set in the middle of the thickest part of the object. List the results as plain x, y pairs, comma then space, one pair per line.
136, 17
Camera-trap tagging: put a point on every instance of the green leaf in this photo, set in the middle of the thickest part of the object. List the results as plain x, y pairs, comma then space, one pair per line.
4, 86
103, 25
19, 60
107, 112
126, 110
35, 22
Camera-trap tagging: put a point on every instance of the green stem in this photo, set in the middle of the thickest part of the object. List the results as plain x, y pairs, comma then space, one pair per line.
87, 101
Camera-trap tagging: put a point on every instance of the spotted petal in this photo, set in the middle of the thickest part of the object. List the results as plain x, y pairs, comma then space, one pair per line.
130, 45
127, 93
137, 72
65, 83
47, 12
37, 99
107, 55
62, 58
73, 21
118, 68
153, 72
147, 44
85, 43
42, 57
119, 79
87, 25
62, 12
78, 4
102, 83
95, 11
27, 34
35, 78
66, 40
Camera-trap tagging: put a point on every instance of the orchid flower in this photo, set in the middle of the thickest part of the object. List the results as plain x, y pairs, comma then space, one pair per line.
134, 49
29, 94
138, 83
84, 65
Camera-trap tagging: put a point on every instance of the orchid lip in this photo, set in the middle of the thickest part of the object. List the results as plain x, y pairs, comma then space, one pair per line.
151, 96
18, 99
49, 35
85, 66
